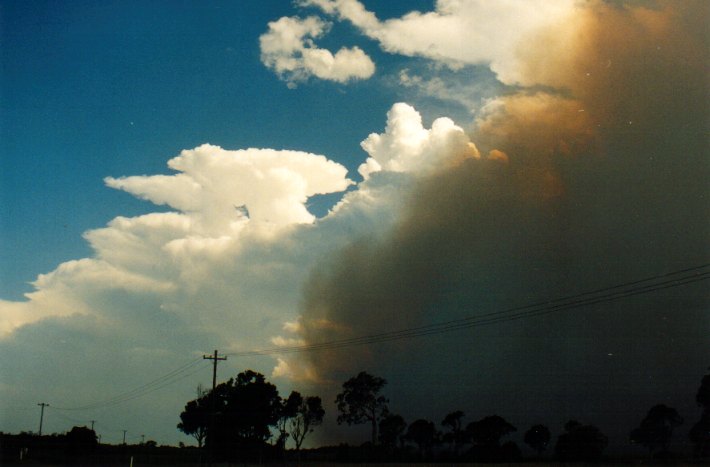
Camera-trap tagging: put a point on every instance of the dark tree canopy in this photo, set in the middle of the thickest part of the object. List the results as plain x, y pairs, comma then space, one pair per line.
656, 429
81, 439
361, 401
453, 420
195, 418
703, 395
456, 436
246, 408
249, 408
392, 427
580, 442
489, 430
700, 435
422, 433
538, 438
485, 436
700, 432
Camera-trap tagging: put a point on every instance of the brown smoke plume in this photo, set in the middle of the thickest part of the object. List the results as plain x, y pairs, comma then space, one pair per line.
606, 182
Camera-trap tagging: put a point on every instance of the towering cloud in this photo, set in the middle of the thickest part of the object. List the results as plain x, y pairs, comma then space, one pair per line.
605, 183
589, 170
406, 146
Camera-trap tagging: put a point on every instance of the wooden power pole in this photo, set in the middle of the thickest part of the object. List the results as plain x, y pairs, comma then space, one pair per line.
213, 399
41, 416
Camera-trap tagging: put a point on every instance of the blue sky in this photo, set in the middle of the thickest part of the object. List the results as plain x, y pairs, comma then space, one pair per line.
183, 176
93, 89
97, 89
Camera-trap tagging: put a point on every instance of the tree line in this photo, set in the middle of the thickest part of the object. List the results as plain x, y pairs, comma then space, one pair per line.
245, 418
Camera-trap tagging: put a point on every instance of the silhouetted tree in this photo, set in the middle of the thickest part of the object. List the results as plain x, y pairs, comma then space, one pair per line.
485, 435
488, 431
246, 408
703, 395
392, 427
309, 414
700, 432
422, 433
700, 435
361, 402
81, 441
456, 435
538, 438
195, 418
250, 407
509, 452
656, 429
580, 442
287, 410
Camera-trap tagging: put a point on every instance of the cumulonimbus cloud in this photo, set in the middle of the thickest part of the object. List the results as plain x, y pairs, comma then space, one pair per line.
288, 49
221, 200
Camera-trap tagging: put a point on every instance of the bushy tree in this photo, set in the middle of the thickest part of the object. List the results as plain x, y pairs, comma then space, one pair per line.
246, 408
422, 433
195, 418
580, 442
456, 435
392, 427
488, 431
703, 395
250, 407
538, 438
656, 429
485, 435
361, 401
81, 440
700, 435
700, 432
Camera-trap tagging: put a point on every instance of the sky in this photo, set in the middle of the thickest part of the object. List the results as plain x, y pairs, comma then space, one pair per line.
179, 177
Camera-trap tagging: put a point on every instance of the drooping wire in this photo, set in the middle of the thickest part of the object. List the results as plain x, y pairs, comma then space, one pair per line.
151, 386
643, 286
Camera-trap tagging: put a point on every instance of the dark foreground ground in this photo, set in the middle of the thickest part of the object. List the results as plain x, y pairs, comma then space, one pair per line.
628, 462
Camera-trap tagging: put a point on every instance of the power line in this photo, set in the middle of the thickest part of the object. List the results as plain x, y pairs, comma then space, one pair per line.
41, 417
643, 286
140, 391
628, 289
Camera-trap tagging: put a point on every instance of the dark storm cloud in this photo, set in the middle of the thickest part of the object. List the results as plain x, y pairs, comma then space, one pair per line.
606, 183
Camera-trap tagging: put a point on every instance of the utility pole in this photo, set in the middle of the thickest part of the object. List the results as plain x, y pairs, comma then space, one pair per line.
215, 358
124, 436
142, 439
92, 425
41, 416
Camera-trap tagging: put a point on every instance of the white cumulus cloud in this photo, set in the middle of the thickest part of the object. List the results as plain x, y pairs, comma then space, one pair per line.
406, 146
288, 49
458, 32
272, 185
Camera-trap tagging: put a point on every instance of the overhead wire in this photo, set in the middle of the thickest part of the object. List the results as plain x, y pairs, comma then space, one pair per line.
647, 285
151, 386
642, 286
